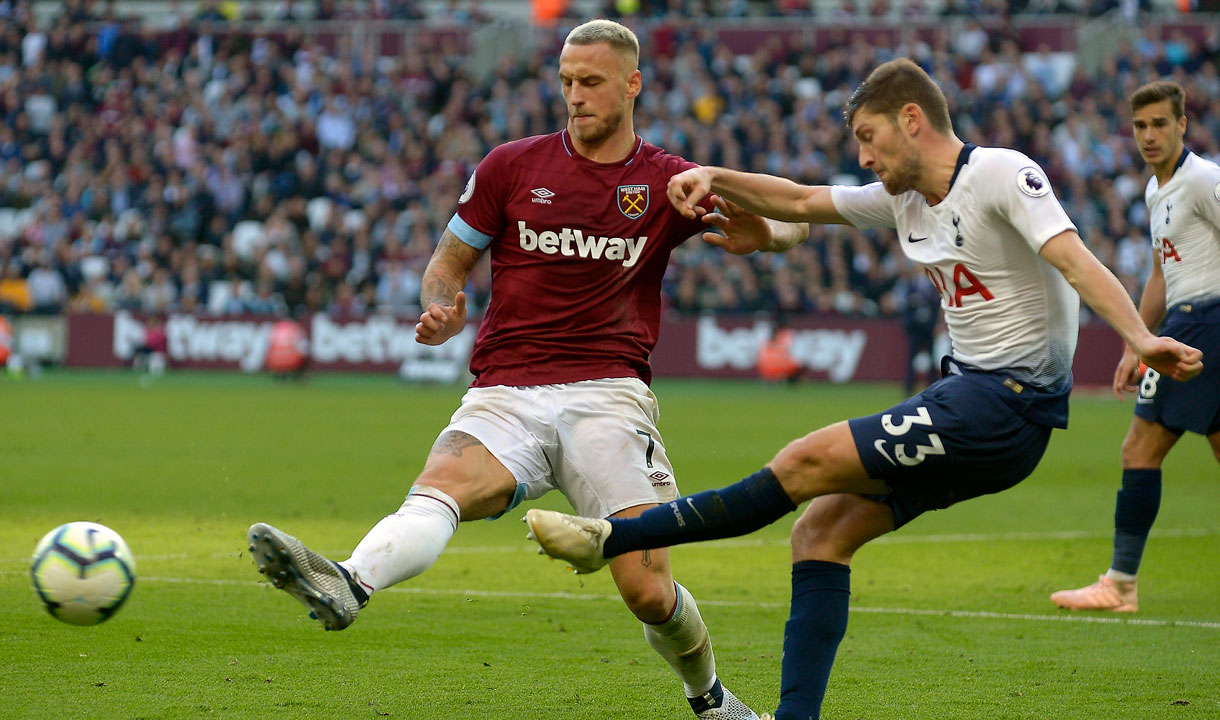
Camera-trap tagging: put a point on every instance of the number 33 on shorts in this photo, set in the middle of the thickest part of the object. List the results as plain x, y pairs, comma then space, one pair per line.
900, 429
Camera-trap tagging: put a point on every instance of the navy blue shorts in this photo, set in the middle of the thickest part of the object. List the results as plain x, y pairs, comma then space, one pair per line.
967, 435
1193, 405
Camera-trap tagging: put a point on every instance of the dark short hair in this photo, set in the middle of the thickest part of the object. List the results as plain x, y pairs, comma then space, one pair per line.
1157, 91
894, 84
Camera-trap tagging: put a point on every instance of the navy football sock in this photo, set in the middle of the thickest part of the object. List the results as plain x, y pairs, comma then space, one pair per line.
738, 509
816, 625
1138, 502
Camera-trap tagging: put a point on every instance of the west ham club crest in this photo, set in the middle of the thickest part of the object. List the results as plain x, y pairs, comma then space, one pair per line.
632, 200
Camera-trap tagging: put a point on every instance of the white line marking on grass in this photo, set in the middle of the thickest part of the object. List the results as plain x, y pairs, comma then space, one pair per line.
900, 539
519, 595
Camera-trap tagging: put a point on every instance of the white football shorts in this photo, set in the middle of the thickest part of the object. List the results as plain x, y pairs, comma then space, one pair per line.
596, 441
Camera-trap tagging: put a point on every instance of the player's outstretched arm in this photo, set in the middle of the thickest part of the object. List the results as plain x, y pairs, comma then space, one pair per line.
441, 293
1106, 295
1152, 311
774, 197
741, 232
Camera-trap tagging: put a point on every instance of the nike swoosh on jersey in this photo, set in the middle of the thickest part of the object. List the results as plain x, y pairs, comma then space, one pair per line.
913, 239
879, 444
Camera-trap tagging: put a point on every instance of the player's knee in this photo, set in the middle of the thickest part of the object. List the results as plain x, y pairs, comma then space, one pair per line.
648, 600
1142, 450
815, 538
1133, 453
799, 466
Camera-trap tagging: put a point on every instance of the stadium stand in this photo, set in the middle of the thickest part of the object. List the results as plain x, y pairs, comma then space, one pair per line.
236, 158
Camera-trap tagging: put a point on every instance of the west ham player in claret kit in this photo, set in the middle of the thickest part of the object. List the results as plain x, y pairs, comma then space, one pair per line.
579, 232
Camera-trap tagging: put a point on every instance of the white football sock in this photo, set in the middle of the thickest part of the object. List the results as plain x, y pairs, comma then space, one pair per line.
406, 543
1120, 576
684, 643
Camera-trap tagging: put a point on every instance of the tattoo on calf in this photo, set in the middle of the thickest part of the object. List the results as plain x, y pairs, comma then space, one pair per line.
453, 443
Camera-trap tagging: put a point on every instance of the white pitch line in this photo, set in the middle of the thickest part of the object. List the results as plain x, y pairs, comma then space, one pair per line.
518, 595
897, 539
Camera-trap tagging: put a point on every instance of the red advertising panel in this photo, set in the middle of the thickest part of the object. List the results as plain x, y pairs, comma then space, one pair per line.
831, 348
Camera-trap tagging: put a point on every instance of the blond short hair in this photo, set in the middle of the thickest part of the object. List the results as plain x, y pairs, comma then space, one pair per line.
619, 37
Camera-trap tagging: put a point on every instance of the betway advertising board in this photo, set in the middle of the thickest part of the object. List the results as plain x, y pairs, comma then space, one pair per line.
835, 349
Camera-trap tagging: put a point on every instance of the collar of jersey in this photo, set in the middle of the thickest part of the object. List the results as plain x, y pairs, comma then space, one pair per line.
1181, 161
1182, 158
963, 157
571, 151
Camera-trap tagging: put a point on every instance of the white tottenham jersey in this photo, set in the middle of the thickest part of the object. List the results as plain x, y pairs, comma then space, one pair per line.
1185, 219
1006, 308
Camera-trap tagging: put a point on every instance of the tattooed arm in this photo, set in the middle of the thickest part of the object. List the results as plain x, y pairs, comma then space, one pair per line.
441, 293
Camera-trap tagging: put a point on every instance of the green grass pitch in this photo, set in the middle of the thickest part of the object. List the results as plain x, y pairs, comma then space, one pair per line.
950, 616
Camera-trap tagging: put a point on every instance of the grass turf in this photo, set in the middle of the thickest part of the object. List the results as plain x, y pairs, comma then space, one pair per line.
950, 615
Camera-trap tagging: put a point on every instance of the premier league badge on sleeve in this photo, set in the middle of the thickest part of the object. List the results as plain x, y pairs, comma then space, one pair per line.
1032, 182
469, 191
632, 200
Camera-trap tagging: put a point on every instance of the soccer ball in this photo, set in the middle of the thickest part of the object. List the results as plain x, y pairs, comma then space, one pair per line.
83, 572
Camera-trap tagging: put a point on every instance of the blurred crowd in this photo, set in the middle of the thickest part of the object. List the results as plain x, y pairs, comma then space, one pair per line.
175, 170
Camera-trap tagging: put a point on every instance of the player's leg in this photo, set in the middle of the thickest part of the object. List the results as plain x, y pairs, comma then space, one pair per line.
1139, 499
611, 462
957, 440
1135, 509
463, 479
674, 628
960, 422
460, 473
821, 463
824, 539
488, 459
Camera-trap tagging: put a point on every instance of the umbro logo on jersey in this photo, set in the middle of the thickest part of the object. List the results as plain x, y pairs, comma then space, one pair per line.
542, 195
913, 239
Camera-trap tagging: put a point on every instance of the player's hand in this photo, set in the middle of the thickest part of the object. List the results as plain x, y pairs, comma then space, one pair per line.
1171, 358
438, 323
687, 188
741, 232
1127, 374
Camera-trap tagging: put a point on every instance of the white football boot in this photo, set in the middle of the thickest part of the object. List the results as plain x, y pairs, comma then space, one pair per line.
720, 704
576, 540
320, 585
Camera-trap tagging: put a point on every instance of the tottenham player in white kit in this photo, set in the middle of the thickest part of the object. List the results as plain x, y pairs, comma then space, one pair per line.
1183, 292
986, 227
579, 235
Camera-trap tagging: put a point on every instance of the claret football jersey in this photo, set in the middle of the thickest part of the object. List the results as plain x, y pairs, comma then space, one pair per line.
1005, 307
578, 249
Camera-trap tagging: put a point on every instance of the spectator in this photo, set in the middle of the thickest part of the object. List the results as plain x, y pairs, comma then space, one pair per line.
146, 147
